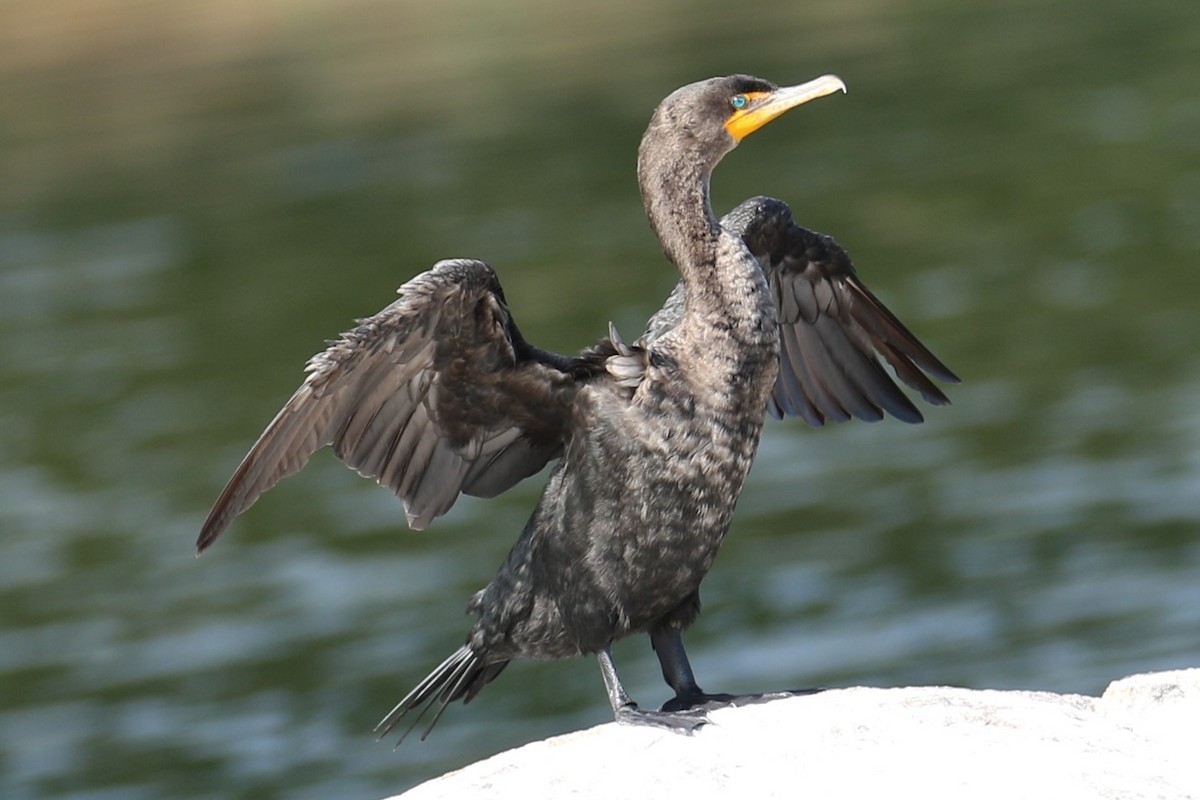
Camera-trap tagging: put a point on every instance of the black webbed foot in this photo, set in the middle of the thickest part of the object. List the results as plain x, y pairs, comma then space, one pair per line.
704, 702
689, 697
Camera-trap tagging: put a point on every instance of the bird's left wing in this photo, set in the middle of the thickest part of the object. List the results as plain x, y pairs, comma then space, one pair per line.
834, 333
437, 394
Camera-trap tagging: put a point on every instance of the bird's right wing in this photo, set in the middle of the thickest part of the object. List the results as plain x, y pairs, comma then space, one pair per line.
835, 334
437, 394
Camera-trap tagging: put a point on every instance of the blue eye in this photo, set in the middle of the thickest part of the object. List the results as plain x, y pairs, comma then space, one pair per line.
739, 101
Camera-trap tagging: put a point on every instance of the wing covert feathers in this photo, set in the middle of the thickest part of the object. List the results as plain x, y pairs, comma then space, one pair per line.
835, 335
435, 395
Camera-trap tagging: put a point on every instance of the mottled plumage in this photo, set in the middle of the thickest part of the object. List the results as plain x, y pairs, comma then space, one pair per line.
439, 394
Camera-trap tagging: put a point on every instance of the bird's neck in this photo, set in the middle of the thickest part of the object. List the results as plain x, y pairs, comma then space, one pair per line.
726, 300
675, 192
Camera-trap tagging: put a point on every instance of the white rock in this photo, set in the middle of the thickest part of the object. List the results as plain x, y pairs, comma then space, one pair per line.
1140, 740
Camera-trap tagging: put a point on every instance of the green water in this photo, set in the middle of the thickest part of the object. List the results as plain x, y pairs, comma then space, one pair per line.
191, 202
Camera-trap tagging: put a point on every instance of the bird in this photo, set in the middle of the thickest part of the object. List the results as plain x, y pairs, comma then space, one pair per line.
439, 394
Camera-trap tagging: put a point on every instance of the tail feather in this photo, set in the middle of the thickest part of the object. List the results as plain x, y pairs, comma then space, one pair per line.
461, 676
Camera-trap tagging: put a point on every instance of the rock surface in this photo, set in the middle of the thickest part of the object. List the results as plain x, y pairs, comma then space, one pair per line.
1141, 739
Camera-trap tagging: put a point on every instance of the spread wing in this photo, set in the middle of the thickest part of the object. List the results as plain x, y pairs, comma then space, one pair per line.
835, 335
436, 395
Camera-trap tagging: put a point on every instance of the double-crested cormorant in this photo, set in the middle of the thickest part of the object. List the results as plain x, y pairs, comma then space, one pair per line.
439, 394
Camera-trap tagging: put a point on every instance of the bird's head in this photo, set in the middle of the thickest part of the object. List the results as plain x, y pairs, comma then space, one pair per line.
708, 118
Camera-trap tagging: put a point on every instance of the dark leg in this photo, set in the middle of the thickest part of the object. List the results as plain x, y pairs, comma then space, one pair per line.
677, 671
627, 711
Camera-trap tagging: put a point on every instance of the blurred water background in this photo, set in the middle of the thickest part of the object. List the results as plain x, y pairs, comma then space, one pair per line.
194, 197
